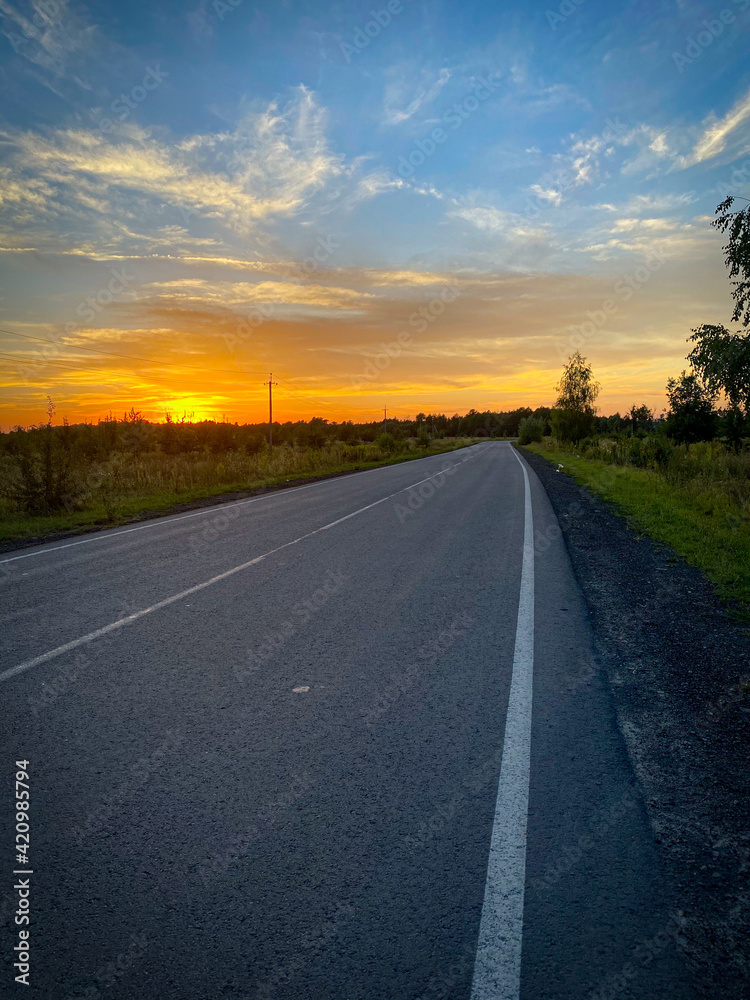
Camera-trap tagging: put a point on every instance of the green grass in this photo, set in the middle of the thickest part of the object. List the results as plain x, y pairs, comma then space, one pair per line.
704, 528
20, 527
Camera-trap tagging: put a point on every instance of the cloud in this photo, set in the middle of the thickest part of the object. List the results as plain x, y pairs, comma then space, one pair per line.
653, 145
514, 239
201, 292
579, 165
378, 183
670, 240
720, 135
394, 112
273, 165
53, 37
200, 23
664, 202
547, 194
629, 225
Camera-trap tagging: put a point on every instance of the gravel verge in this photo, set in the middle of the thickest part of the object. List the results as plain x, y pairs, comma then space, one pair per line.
679, 671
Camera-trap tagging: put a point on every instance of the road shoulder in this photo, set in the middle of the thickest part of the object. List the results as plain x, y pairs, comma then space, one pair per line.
678, 669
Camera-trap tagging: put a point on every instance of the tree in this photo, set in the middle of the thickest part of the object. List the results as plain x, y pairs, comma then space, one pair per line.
530, 429
574, 415
691, 414
641, 417
722, 359
45, 475
737, 255
544, 413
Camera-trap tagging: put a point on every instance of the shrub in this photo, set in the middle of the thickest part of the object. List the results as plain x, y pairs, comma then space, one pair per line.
44, 482
530, 429
387, 442
571, 425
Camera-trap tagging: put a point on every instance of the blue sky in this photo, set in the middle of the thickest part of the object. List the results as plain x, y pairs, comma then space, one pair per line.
287, 185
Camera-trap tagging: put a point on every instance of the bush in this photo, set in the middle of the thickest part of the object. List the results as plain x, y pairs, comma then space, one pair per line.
572, 425
44, 480
530, 429
387, 442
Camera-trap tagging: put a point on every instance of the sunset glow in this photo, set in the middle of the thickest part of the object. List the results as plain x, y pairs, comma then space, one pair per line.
262, 196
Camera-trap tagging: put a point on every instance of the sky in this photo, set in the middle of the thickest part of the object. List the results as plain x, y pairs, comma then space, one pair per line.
414, 204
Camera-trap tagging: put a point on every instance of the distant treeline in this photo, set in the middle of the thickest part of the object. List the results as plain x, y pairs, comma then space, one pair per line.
132, 433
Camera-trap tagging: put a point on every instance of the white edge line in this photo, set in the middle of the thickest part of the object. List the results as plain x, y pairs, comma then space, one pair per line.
84, 640
167, 519
497, 968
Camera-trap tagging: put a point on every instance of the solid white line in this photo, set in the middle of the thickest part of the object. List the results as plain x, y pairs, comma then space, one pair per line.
216, 508
497, 968
85, 639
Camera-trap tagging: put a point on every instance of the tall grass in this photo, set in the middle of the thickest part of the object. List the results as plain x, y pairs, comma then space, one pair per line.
710, 472
695, 498
124, 483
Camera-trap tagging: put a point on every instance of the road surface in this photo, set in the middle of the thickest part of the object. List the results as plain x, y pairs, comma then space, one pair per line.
288, 748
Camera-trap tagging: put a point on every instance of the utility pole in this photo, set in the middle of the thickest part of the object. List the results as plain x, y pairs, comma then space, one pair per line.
385, 418
270, 383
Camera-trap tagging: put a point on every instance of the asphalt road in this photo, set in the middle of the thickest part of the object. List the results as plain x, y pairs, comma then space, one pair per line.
275, 751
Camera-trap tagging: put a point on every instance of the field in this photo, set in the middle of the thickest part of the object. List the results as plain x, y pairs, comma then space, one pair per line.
75, 490
696, 499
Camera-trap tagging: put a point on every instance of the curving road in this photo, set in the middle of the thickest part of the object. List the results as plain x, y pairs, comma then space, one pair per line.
287, 748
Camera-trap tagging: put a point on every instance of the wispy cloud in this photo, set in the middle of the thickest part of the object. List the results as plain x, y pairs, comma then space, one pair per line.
272, 165
189, 292
719, 135
398, 108
54, 38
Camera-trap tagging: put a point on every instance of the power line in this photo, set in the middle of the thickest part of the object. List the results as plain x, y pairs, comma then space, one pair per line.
270, 385
313, 399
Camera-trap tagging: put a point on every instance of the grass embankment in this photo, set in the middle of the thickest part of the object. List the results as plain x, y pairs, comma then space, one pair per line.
701, 510
131, 487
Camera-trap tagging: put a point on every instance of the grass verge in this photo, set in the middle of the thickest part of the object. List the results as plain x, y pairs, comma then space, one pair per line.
25, 528
711, 536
